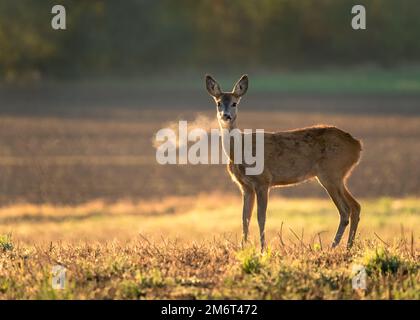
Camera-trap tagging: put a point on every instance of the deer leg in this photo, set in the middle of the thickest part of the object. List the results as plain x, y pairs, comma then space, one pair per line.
336, 191
262, 199
354, 217
248, 199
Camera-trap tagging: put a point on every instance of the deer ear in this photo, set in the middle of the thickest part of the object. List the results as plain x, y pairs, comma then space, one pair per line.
241, 86
213, 87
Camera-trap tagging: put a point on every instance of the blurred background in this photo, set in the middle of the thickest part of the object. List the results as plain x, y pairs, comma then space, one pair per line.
79, 108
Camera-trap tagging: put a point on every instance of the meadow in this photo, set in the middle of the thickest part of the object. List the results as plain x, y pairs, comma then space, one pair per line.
190, 248
80, 187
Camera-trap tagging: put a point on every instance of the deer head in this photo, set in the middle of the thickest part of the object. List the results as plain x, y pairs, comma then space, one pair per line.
227, 102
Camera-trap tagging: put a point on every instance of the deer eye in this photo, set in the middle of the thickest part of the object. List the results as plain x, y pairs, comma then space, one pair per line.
234, 104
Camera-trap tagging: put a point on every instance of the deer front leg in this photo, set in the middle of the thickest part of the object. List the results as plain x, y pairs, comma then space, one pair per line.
262, 199
248, 198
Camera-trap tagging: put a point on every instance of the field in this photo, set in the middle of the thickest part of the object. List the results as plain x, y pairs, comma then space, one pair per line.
73, 155
190, 248
80, 187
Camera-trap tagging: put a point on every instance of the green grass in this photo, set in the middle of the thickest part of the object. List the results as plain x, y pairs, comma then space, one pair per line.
385, 262
6, 242
357, 80
341, 81
252, 261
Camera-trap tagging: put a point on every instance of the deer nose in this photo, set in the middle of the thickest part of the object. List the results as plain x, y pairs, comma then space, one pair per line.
226, 116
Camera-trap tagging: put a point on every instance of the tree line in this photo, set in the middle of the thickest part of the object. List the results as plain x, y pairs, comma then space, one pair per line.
106, 37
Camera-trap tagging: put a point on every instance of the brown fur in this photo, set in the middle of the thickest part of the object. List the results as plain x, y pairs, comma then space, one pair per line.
291, 157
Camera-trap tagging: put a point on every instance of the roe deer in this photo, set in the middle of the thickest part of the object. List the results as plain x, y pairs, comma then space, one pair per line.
290, 157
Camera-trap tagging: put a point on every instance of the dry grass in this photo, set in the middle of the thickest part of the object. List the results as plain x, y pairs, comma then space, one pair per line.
190, 248
199, 218
207, 269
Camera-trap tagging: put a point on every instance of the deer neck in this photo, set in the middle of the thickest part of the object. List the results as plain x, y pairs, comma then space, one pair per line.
227, 139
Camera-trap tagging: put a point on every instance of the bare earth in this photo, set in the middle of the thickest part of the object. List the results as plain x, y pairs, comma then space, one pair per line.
75, 154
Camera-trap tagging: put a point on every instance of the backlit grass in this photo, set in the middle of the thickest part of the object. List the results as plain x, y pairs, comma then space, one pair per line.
190, 248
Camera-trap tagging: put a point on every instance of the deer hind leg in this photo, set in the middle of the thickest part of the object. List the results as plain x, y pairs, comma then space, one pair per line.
248, 199
336, 189
354, 216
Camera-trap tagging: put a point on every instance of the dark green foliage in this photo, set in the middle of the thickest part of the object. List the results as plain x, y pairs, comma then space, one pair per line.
137, 36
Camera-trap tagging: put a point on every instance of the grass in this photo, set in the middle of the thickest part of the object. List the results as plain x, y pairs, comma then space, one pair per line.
251, 261
355, 80
187, 248
370, 81
201, 218
216, 269
385, 262
6, 242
